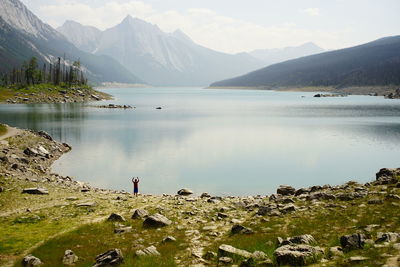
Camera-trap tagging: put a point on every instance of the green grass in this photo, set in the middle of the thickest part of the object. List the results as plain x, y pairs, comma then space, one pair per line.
3, 129
91, 240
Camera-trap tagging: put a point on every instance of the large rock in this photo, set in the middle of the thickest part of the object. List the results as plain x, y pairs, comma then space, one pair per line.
45, 135
387, 176
35, 191
69, 257
43, 151
239, 229
297, 240
297, 255
185, 192
266, 210
156, 220
388, 237
285, 190
353, 241
229, 251
149, 251
140, 214
115, 217
30, 261
111, 257
31, 151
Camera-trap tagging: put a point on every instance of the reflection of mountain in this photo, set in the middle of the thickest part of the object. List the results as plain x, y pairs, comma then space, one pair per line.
62, 121
157, 57
23, 35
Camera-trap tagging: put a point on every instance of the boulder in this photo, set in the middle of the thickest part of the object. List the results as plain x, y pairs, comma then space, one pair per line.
239, 229
69, 257
225, 260
285, 190
30, 261
388, 237
185, 192
353, 241
35, 191
297, 240
156, 221
140, 214
321, 196
266, 210
45, 135
168, 239
43, 151
229, 251
387, 176
288, 208
297, 255
115, 217
149, 251
205, 195
335, 252
302, 191
111, 257
31, 151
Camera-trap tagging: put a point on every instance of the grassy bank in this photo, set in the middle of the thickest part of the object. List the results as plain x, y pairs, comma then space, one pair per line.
49, 93
3, 129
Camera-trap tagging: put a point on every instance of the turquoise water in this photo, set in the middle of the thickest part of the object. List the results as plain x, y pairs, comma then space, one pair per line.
239, 142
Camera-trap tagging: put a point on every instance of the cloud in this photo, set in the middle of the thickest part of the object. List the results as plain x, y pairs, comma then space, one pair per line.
313, 11
204, 26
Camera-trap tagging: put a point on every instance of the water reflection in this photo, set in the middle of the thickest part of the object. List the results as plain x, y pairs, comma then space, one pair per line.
223, 142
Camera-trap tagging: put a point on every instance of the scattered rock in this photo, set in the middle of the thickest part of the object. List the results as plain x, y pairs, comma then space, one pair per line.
185, 192
301, 239
169, 239
31, 151
149, 251
114, 217
388, 237
30, 260
111, 257
285, 190
69, 257
35, 191
297, 255
156, 220
288, 208
239, 229
229, 251
140, 214
353, 241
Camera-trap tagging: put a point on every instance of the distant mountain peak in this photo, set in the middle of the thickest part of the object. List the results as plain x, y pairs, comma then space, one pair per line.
179, 34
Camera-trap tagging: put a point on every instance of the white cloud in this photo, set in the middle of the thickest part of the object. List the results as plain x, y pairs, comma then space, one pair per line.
204, 26
313, 11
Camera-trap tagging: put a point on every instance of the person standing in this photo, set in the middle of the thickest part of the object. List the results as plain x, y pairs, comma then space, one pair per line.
135, 182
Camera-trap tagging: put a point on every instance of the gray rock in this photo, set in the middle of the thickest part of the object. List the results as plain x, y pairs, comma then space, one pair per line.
353, 241
285, 190
222, 215
229, 251
69, 257
300, 239
288, 208
388, 237
266, 210
123, 229
115, 217
30, 260
111, 257
31, 151
259, 255
350, 196
375, 201
185, 192
392, 196
335, 252
45, 135
156, 220
225, 260
149, 251
239, 229
168, 239
321, 196
302, 191
43, 151
140, 214
205, 195
35, 191
209, 255
297, 255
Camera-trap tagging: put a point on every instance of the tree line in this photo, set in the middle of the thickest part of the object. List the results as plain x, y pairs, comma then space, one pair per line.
59, 72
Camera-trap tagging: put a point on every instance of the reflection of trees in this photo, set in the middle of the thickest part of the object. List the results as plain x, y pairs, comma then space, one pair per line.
59, 120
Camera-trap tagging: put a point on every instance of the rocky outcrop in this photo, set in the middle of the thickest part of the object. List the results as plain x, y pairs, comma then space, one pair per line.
156, 221
108, 258
35, 191
185, 192
353, 241
285, 190
31, 261
387, 176
297, 255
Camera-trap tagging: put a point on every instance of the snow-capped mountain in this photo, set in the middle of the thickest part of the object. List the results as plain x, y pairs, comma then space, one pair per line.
162, 58
23, 35
272, 56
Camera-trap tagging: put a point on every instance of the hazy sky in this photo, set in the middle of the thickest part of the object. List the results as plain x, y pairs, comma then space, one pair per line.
240, 25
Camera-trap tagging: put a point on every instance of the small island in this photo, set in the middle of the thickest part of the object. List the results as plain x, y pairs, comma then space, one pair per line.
49, 84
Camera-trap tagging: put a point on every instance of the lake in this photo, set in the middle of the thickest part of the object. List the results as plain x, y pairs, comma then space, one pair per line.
225, 142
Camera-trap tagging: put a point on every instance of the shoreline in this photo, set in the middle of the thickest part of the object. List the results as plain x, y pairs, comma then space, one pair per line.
208, 230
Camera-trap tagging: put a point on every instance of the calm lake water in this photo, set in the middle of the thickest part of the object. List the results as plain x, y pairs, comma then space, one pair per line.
240, 142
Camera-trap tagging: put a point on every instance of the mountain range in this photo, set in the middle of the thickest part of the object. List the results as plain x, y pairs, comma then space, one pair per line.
23, 35
370, 64
162, 58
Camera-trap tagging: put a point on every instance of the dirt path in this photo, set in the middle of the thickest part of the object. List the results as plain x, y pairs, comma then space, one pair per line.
11, 131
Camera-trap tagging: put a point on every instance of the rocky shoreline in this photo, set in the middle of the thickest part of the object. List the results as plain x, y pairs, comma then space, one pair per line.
325, 225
